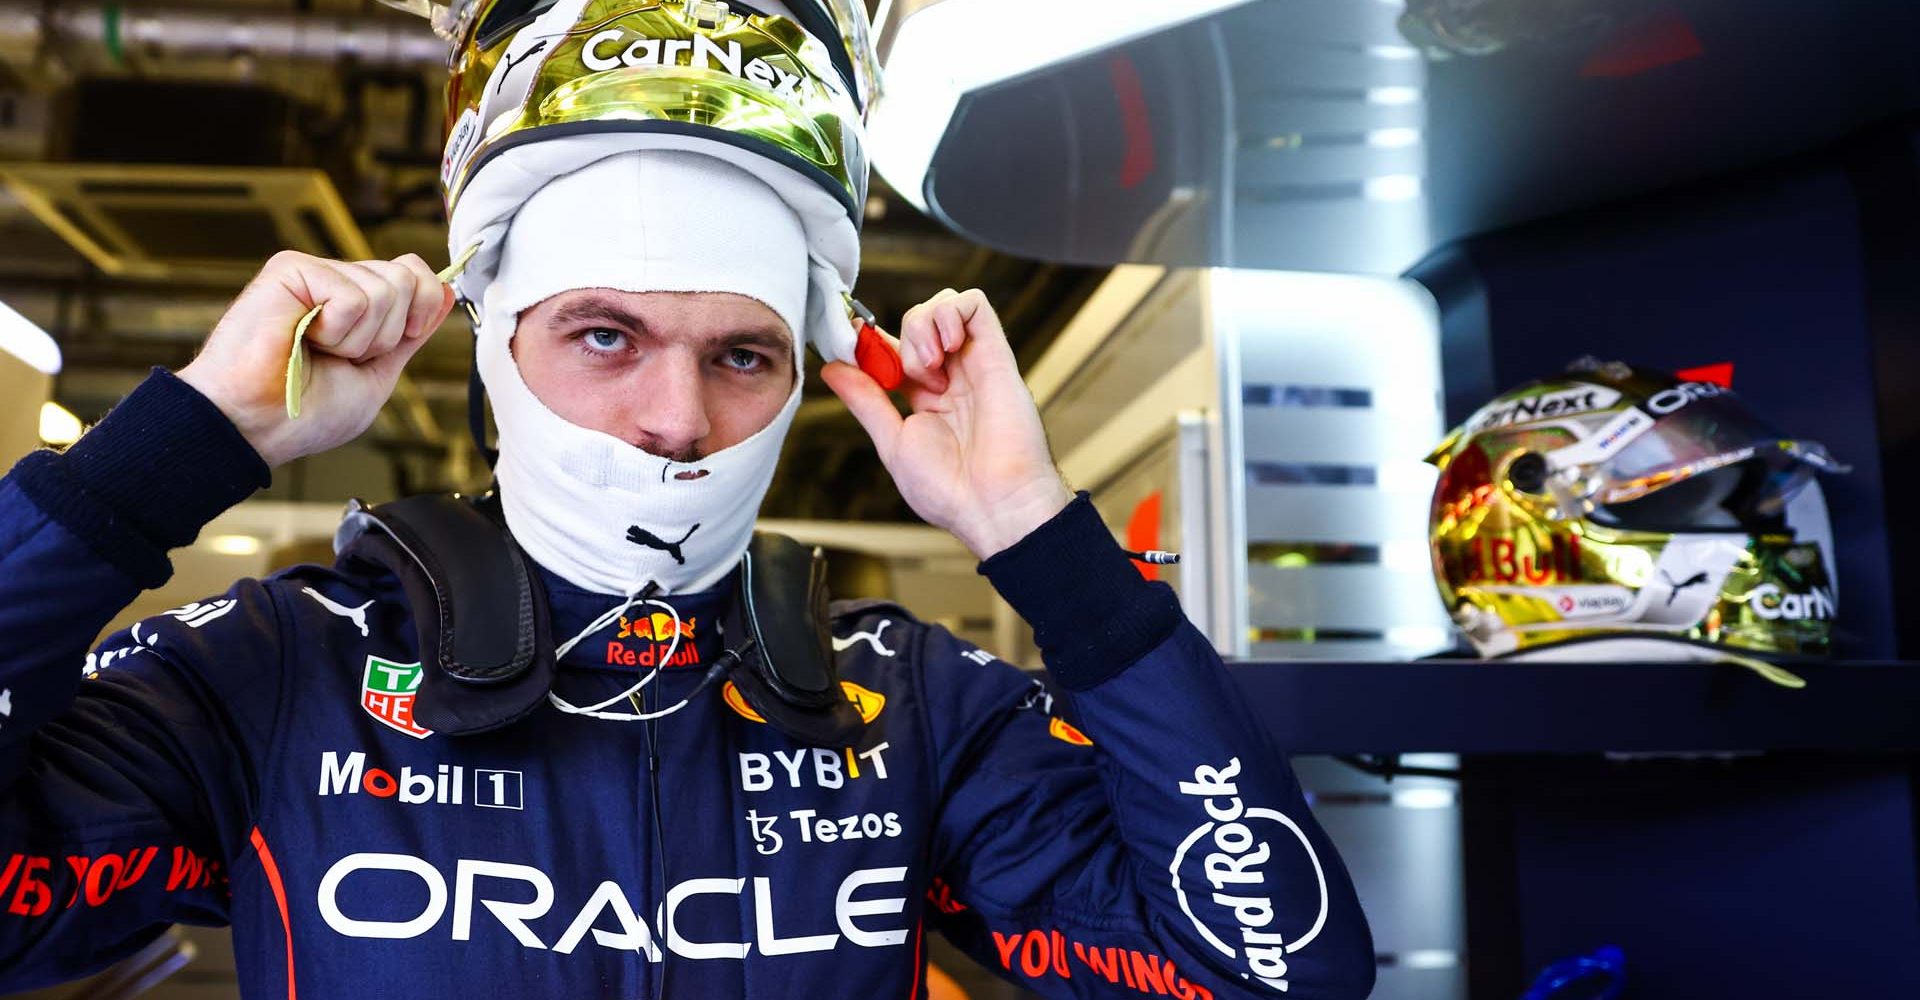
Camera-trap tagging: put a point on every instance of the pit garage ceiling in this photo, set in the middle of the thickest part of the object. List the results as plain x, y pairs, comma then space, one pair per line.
153, 154
1356, 135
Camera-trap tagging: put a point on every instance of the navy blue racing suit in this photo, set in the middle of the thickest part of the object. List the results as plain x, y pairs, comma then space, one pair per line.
252, 759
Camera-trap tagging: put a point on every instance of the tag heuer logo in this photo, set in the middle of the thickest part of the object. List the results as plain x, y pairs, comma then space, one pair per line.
387, 693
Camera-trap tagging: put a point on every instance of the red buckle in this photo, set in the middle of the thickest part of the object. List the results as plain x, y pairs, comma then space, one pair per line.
877, 358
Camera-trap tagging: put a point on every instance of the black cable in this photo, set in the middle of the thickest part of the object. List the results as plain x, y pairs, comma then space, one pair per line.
648, 704
714, 673
659, 833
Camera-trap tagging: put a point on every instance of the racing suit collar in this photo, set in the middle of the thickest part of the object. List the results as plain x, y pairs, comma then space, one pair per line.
630, 647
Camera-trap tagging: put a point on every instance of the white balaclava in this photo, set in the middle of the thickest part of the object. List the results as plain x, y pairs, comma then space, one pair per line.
601, 513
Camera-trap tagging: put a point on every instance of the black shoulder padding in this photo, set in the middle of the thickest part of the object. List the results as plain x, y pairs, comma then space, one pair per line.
485, 646
783, 588
788, 674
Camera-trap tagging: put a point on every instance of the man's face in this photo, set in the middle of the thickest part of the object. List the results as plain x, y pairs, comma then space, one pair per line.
678, 374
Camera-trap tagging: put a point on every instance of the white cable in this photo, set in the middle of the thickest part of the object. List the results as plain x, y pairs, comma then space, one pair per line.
640, 716
593, 710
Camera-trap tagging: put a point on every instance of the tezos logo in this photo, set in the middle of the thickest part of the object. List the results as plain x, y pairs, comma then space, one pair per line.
1668, 400
1770, 602
1565, 403
1236, 864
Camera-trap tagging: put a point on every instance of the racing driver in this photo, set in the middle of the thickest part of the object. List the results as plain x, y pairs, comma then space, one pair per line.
255, 758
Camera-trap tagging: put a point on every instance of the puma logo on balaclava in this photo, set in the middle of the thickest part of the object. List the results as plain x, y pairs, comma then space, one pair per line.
641, 536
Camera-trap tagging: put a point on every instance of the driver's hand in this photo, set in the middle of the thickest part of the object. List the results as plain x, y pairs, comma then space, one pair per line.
376, 315
972, 457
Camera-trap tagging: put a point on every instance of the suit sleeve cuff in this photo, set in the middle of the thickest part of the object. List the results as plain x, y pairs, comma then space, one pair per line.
146, 478
1092, 612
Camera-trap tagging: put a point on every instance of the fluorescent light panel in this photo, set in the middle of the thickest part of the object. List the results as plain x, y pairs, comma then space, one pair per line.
23, 338
1424, 798
1393, 138
1393, 96
1392, 187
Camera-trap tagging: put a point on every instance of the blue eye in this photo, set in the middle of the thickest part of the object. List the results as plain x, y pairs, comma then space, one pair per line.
742, 360
604, 340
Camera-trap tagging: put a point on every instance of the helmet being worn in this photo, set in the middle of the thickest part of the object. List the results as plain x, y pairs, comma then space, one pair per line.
541, 88
1619, 502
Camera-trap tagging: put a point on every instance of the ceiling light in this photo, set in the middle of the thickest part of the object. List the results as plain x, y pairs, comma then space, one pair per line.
58, 425
23, 338
234, 545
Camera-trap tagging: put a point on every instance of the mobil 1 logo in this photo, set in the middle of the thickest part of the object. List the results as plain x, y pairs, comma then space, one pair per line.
441, 784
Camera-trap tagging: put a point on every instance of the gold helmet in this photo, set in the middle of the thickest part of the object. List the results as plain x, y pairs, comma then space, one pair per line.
540, 88
1618, 502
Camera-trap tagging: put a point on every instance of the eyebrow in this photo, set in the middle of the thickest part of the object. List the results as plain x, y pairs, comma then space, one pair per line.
768, 339
773, 339
588, 309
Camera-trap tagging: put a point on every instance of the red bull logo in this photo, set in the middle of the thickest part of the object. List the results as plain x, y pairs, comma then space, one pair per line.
659, 627
656, 635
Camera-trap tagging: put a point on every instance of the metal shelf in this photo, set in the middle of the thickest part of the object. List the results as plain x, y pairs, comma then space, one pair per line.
1473, 707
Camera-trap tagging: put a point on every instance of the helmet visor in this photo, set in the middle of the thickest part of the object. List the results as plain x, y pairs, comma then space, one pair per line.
840, 24
1706, 464
635, 65
502, 16
850, 19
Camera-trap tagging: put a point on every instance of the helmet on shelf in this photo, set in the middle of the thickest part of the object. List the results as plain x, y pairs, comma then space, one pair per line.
1623, 503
